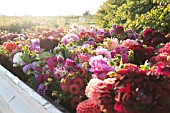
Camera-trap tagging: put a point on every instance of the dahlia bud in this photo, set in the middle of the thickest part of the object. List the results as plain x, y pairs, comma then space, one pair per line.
50, 79
60, 59
54, 94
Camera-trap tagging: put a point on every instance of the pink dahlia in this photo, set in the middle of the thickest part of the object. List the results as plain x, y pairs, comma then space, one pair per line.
70, 38
74, 89
88, 106
84, 57
166, 48
79, 81
64, 87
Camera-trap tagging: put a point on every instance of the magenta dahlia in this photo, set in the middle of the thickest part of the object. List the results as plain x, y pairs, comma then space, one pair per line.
100, 67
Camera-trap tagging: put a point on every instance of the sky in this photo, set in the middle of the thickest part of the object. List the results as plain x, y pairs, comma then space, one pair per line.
48, 7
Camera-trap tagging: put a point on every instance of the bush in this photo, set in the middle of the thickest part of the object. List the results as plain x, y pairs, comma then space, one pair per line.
135, 14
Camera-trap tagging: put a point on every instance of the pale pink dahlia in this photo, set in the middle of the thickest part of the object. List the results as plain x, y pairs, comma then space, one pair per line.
129, 42
92, 89
111, 43
84, 57
102, 51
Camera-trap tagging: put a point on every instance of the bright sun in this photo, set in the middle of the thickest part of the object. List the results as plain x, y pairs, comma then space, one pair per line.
48, 7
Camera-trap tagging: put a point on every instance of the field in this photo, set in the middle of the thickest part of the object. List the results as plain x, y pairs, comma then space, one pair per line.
21, 24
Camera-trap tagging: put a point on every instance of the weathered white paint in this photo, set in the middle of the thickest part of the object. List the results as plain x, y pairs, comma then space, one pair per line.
17, 97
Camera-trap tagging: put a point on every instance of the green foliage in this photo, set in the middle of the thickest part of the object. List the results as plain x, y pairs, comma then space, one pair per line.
136, 14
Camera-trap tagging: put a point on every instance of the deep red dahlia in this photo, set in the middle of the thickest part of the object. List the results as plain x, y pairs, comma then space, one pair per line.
141, 53
153, 38
141, 92
119, 30
48, 43
147, 33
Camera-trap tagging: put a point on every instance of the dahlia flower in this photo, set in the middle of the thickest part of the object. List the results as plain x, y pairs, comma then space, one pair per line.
35, 48
138, 91
79, 81
48, 43
129, 42
147, 53
17, 59
52, 63
100, 67
10, 46
41, 89
103, 93
153, 38
120, 51
84, 57
35, 42
43, 78
27, 67
88, 106
110, 44
69, 38
102, 51
92, 89
74, 89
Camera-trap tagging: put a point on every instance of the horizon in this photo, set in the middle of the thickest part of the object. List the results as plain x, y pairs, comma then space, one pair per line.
45, 8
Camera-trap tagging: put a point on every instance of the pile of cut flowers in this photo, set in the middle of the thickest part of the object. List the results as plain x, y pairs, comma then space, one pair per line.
93, 70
